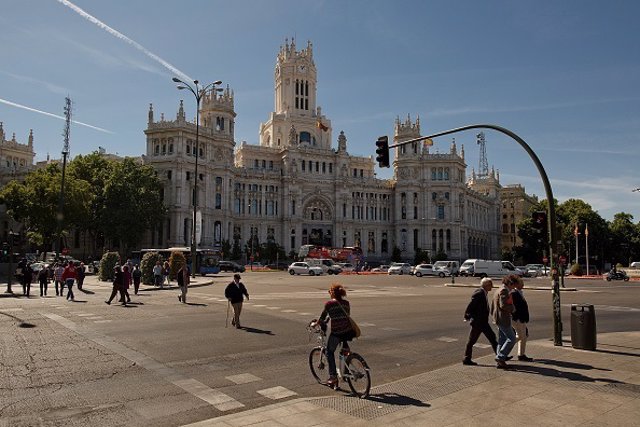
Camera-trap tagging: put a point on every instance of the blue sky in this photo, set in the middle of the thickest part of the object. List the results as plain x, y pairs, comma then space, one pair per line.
565, 76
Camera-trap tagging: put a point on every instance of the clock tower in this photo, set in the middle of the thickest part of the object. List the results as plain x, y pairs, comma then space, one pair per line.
297, 120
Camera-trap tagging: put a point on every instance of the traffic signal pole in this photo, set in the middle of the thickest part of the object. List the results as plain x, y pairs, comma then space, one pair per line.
551, 211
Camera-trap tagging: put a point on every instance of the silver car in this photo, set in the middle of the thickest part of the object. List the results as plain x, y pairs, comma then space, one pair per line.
427, 270
304, 268
400, 268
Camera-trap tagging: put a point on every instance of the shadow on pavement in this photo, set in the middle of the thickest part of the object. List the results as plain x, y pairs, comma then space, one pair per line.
622, 353
86, 291
78, 301
257, 331
22, 323
134, 303
551, 372
197, 304
570, 365
396, 399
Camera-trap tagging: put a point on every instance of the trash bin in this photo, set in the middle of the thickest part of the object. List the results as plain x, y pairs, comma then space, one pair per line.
583, 326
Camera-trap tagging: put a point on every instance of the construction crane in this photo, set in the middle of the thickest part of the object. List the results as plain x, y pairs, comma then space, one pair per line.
483, 164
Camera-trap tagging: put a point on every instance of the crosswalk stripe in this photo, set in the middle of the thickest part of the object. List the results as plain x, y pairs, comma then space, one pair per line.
278, 392
243, 378
447, 339
289, 311
102, 321
482, 345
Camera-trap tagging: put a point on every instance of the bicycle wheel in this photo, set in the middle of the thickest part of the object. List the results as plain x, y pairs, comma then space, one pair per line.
359, 380
318, 364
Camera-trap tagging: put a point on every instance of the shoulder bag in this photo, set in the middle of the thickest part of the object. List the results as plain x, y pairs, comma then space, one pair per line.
354, 325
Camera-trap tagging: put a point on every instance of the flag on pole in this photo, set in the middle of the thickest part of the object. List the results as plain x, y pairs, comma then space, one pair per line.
322, 126
575, 231
586, 230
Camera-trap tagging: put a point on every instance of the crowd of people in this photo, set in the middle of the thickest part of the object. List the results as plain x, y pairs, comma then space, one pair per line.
61, 273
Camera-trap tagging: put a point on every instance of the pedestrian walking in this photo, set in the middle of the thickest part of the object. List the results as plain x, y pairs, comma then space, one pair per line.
137, 277
81, 275
157, 274
126, 282
27, 278
501, 309
57, 272
43, 279
235, 293
183, 279
477, 314
166, 269
521, 320
117, 286
69, 275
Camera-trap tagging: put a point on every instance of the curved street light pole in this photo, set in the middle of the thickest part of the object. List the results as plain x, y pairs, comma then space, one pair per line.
198, 93
551, 212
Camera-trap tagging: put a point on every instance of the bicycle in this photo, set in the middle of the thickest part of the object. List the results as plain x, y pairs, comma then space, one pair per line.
351, 367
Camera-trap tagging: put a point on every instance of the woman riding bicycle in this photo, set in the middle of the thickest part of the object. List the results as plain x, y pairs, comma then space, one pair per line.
337, 309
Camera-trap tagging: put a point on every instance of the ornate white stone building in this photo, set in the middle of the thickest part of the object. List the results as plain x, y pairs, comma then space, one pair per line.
295, 188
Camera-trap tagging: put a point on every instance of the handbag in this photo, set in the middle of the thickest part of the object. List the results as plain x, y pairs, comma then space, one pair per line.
354, 326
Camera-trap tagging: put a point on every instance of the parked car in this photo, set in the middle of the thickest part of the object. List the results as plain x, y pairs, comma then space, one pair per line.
400, 268
512, 269
381, 268
304, 268
231, 266
346, 266
635, 264
534, 270
428, 270
450, 268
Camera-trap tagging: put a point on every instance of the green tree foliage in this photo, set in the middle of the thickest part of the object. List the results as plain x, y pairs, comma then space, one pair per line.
35, 203
176, 261
107, 263
132, 203
236, 251
225, 247
146, 266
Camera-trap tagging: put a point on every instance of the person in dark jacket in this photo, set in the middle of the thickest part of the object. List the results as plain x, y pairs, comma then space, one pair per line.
137, 277
81, 272
520, 319
235, 293
118, 285
183, 278
477, 314
43, 279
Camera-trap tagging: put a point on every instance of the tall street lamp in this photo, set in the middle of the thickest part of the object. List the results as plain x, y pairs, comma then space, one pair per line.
198, 93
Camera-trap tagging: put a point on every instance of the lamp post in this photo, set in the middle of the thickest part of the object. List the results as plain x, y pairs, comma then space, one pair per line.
198, 93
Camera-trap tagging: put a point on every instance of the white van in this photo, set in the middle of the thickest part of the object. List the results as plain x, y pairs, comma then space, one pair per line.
482, 268
449, 268
327, 265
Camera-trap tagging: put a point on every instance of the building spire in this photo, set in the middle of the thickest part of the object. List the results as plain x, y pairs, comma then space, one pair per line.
31, 138
150, 113
181, 116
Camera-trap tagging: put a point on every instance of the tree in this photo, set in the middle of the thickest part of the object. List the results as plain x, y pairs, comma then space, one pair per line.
225, 248
132, 203
624, 239
35, 203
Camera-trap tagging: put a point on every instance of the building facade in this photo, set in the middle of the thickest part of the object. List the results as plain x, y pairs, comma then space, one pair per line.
295, 187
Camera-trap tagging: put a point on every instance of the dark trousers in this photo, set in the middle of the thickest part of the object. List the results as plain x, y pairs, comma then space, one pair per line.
114, 291
136, 286
61, 283
474, 334
26, 288
69, 283
43, 287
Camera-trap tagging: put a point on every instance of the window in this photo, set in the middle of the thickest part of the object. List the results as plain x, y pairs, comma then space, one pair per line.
446, 174
330, 167
169, 175
188, 176
303, 165
305, 137
505, 228
446, 195
433, 174
434, 195
440, 211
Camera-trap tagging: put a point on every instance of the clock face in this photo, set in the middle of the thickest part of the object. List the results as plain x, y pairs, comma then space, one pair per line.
302, 68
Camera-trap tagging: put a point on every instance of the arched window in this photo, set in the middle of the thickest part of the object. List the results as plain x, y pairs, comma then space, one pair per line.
305, 137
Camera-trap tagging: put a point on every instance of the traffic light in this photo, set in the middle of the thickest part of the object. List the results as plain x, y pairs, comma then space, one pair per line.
382, 150
5, 249
539, 220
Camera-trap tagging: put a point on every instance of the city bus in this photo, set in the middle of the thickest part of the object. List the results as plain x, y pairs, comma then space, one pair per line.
206, 259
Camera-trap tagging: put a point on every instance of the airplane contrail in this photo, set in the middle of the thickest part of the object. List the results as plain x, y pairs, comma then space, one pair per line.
24, 107
124, 38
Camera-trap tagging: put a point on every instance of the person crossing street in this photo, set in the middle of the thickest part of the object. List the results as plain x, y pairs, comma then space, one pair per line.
235, 293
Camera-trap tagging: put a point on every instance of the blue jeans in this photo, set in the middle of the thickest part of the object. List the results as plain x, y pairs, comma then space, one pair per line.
506, 341
332, 345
